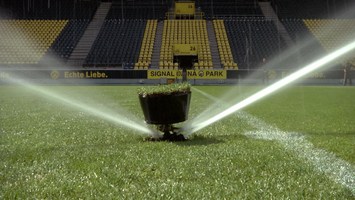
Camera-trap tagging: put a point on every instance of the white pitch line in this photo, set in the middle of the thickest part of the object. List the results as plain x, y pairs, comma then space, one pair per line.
328, 163
334, 168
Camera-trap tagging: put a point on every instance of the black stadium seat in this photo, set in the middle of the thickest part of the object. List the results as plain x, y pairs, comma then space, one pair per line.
252, 40
117, 44
68, 39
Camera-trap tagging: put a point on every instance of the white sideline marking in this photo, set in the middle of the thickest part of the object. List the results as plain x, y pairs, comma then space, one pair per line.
335, 168
328, 163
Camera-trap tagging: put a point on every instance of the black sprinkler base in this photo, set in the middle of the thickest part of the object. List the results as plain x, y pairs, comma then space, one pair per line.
171, 134
169, 137
173, 137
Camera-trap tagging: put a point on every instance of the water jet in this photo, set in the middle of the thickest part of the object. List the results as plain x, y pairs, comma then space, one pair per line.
193, 127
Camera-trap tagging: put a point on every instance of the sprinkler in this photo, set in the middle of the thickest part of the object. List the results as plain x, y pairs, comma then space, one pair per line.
164, 106
171, 133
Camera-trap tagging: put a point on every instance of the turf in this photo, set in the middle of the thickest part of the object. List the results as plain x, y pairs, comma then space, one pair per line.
51, 151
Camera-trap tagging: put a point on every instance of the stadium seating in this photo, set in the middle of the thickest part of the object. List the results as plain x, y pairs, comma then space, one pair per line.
289, 9
53, 9
253, 39
299, 33
225, 8
225, 51
68, 38
145, 55
312, 9
26, 41
127, 36
185, 32
117, 44
332, 33
137, 11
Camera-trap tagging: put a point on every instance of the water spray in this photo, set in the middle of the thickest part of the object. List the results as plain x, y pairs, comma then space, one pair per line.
114, 118
190, 128
14, 43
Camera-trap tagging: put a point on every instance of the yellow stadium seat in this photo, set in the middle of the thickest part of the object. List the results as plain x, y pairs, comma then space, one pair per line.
140, 65
187, 32
40, 36
147, 45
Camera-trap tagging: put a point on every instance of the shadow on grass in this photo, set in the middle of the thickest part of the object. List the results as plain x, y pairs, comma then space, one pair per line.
199, 141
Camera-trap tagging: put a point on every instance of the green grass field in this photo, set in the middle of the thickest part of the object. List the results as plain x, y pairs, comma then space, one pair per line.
51, 151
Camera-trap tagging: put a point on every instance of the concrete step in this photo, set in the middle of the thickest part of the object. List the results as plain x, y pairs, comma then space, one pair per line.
82, 49
157, 45
213, 45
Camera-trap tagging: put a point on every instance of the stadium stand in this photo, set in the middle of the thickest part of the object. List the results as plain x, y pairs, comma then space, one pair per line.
299, 33
82, 49
68, 38
26, 41
225, 51
76, 14
288, 9
138, 10
311, 9
242, 34
145, 55
117, 44
332, 33
185, 32
225, 9
53, 9
253, 39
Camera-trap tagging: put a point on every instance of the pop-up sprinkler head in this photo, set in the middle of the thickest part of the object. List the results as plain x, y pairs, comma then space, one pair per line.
171, 133
164, 106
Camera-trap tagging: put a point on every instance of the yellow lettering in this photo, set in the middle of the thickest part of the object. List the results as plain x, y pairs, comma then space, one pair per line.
91, 74
191, 74
73, 75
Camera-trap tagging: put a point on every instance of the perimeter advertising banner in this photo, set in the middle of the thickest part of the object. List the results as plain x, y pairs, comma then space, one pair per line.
7, 74
73, 74
191, 74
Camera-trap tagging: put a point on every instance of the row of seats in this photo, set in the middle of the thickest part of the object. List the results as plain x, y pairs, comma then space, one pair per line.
26, 41
314, 9
49, 9
224, 49
130, 42
68, 38
137, 12
332, 33
232, 8
185, 32
253, 40
118, 43
289, 9
309, 47
145, 54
